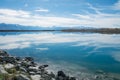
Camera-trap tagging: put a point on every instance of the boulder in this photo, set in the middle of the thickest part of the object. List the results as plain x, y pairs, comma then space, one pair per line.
33, 70
36, 67
8, 60
32, 73
29, 59
9, 66
52, 75
38, 72
18, 58
43, 66
46, 77
3, 53
25, 64
17, 67
33, 64
2, 70
61, 73
23, 69
35, 77
21, 77
72, 78
61, 76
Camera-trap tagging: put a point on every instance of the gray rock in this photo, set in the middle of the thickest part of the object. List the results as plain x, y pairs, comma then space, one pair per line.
61, 73
23, 69
8, 60
36, 77
3, 53
72, 78
29, 59
46, 77
2, 70
43, 66
32, 73
52, 75
24, 64
27, 67
18, 58
32, 70
9, 66
21, 77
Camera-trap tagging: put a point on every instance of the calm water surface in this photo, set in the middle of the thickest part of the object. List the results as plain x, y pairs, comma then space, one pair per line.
72, 52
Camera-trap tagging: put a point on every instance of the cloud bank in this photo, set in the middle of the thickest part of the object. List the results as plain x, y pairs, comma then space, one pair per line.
34, 19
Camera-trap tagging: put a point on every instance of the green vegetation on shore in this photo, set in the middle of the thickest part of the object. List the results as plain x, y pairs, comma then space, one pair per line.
95, 30
84, 30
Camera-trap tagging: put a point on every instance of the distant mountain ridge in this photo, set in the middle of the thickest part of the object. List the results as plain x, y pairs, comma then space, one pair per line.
19, 28
4, 26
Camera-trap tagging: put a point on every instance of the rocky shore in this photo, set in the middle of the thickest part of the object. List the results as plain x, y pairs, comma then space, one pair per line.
19, 68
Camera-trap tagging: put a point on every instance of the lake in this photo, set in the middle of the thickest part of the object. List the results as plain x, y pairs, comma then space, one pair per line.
72, 52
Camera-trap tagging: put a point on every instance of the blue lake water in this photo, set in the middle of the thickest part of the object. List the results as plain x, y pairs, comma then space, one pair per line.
72, 52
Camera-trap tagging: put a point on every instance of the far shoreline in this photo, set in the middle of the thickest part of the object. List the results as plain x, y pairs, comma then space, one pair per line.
85, 30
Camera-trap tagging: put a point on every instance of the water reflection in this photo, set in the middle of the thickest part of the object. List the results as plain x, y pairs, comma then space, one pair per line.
26, 40
98, 50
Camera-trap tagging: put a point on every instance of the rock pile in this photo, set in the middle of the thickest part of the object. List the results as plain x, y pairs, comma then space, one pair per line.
17, 68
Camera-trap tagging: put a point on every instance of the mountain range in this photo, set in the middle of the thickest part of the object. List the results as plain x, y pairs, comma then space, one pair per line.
4, 26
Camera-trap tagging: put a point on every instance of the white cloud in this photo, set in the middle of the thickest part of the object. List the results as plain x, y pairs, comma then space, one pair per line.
94, 8
28, 18
82, 16
117, 5
42, 10
99, 19
14, 13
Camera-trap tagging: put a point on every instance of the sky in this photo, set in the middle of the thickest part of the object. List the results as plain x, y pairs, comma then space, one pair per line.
61, 13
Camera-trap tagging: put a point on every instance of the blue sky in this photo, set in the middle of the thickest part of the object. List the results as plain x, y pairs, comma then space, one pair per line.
62, 13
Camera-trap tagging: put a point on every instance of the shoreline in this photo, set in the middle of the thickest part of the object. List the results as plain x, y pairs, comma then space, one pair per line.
19, 68
89, 30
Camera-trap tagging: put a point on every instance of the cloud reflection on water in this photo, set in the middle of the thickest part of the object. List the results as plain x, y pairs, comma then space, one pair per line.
98, 41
